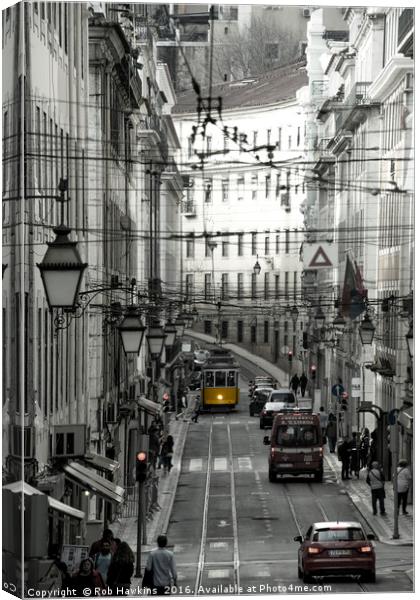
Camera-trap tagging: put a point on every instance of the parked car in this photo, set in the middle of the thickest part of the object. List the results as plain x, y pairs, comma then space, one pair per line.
283, 395
258, 400
261, 381
270, 410
336, 548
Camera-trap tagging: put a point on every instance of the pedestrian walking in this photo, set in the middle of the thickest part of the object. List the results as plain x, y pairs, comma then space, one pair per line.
102, 560
303, 383
323, 421
107, 536
331, 432
161, 569
344, 457
364, 448
404, 481
376, 480
121, 570
168, 451
196, 410
86, 580
373, 449
354, 455
294, 383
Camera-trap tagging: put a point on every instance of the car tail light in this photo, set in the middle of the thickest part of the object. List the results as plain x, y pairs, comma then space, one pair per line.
313, 550
321, 451
365, 549
263, 413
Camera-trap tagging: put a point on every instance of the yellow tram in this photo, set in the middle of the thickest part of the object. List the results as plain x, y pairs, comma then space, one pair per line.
219, 381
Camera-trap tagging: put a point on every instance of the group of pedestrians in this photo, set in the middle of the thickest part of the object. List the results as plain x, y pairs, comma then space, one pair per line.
297, 383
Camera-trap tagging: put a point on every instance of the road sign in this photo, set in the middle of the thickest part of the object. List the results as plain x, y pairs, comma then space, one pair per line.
355, 387
337, 389
320, 256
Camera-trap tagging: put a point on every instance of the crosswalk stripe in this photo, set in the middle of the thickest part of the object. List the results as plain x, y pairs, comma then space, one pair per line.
196, 464
244, 463
220, 464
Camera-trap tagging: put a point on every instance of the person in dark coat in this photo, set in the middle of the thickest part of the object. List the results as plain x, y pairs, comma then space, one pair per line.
364, 448
354, 455
303, 384
107, 537
294, 383
121, 570
344, 457
331, 432
167, 453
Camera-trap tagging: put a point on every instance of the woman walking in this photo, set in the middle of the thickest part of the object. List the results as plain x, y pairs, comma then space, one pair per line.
121, 570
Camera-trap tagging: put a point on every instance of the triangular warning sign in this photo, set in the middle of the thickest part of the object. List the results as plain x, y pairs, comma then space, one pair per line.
320, 259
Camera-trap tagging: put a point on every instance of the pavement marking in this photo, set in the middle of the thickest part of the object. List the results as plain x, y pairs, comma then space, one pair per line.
196, 464
264, 573
219, 574
220, 464
244, 463
218, 545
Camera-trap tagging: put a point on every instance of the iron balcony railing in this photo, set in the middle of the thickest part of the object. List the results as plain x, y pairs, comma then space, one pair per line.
405, 24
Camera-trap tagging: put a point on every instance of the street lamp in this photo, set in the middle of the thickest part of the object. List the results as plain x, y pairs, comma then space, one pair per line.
170, 332
131, 331
339, 322
257, 267
62, 267
409, 338
179, 326
155, 339
366, 330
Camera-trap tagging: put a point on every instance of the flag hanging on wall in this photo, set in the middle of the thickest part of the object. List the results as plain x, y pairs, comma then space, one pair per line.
353, 299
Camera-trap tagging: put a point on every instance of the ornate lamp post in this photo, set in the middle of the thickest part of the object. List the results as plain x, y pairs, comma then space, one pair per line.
131, 331
366, 330
170, 332
257, 267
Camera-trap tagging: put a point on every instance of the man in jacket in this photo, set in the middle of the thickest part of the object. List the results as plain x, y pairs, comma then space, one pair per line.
376, 480
344, 456
404, 480
162, 564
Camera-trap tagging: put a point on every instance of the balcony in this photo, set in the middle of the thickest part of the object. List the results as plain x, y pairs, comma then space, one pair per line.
356, 101
188, 208
319, 88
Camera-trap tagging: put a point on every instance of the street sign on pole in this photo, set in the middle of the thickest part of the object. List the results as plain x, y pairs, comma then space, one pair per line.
355, 387
337, 390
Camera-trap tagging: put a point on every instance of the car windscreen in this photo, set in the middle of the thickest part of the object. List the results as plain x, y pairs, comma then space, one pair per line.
291, 435
283, 397
349, 534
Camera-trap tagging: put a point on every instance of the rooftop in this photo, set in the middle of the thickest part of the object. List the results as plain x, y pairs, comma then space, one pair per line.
278, 85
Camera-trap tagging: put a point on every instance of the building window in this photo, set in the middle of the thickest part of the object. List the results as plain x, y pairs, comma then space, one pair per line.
266, 330
207, 327
208, 188
286, 287
268, 136
240, 286
254, 138
253, 334
225, 139
279, 139
295, 285
207, 286
189, 284
225, 249
254, 186
277, 244
266, 286
298, 137
208, 144
277, 286
225, 286
289, 143
225, 329
267, 185
287, 242
240, 331
190, 248
240, 244
241, 186
271, 52
226, 30
253, 286
190, 147
225, 189
253, 243
267, 246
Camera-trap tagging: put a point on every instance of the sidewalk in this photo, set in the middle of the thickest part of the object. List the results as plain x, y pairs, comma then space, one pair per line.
126, 528
359, 493
357, 489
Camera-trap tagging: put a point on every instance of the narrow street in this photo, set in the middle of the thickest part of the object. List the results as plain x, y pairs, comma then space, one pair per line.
232, 530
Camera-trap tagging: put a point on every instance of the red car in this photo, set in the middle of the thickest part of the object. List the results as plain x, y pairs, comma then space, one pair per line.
336, 548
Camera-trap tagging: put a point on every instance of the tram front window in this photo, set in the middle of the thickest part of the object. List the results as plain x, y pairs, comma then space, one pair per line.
231, 379
220, 379
209, 379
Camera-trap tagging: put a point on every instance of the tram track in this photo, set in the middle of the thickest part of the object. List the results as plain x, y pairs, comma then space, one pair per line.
206, 564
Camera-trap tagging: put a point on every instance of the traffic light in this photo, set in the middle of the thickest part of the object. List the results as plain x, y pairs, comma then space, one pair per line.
166, 402
343, 401
305, 340
141, 466
313, 372
290, 356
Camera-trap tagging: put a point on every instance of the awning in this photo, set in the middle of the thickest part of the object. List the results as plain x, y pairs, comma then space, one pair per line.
18, 486
101, 462
405, 418
90, 480
151, 407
